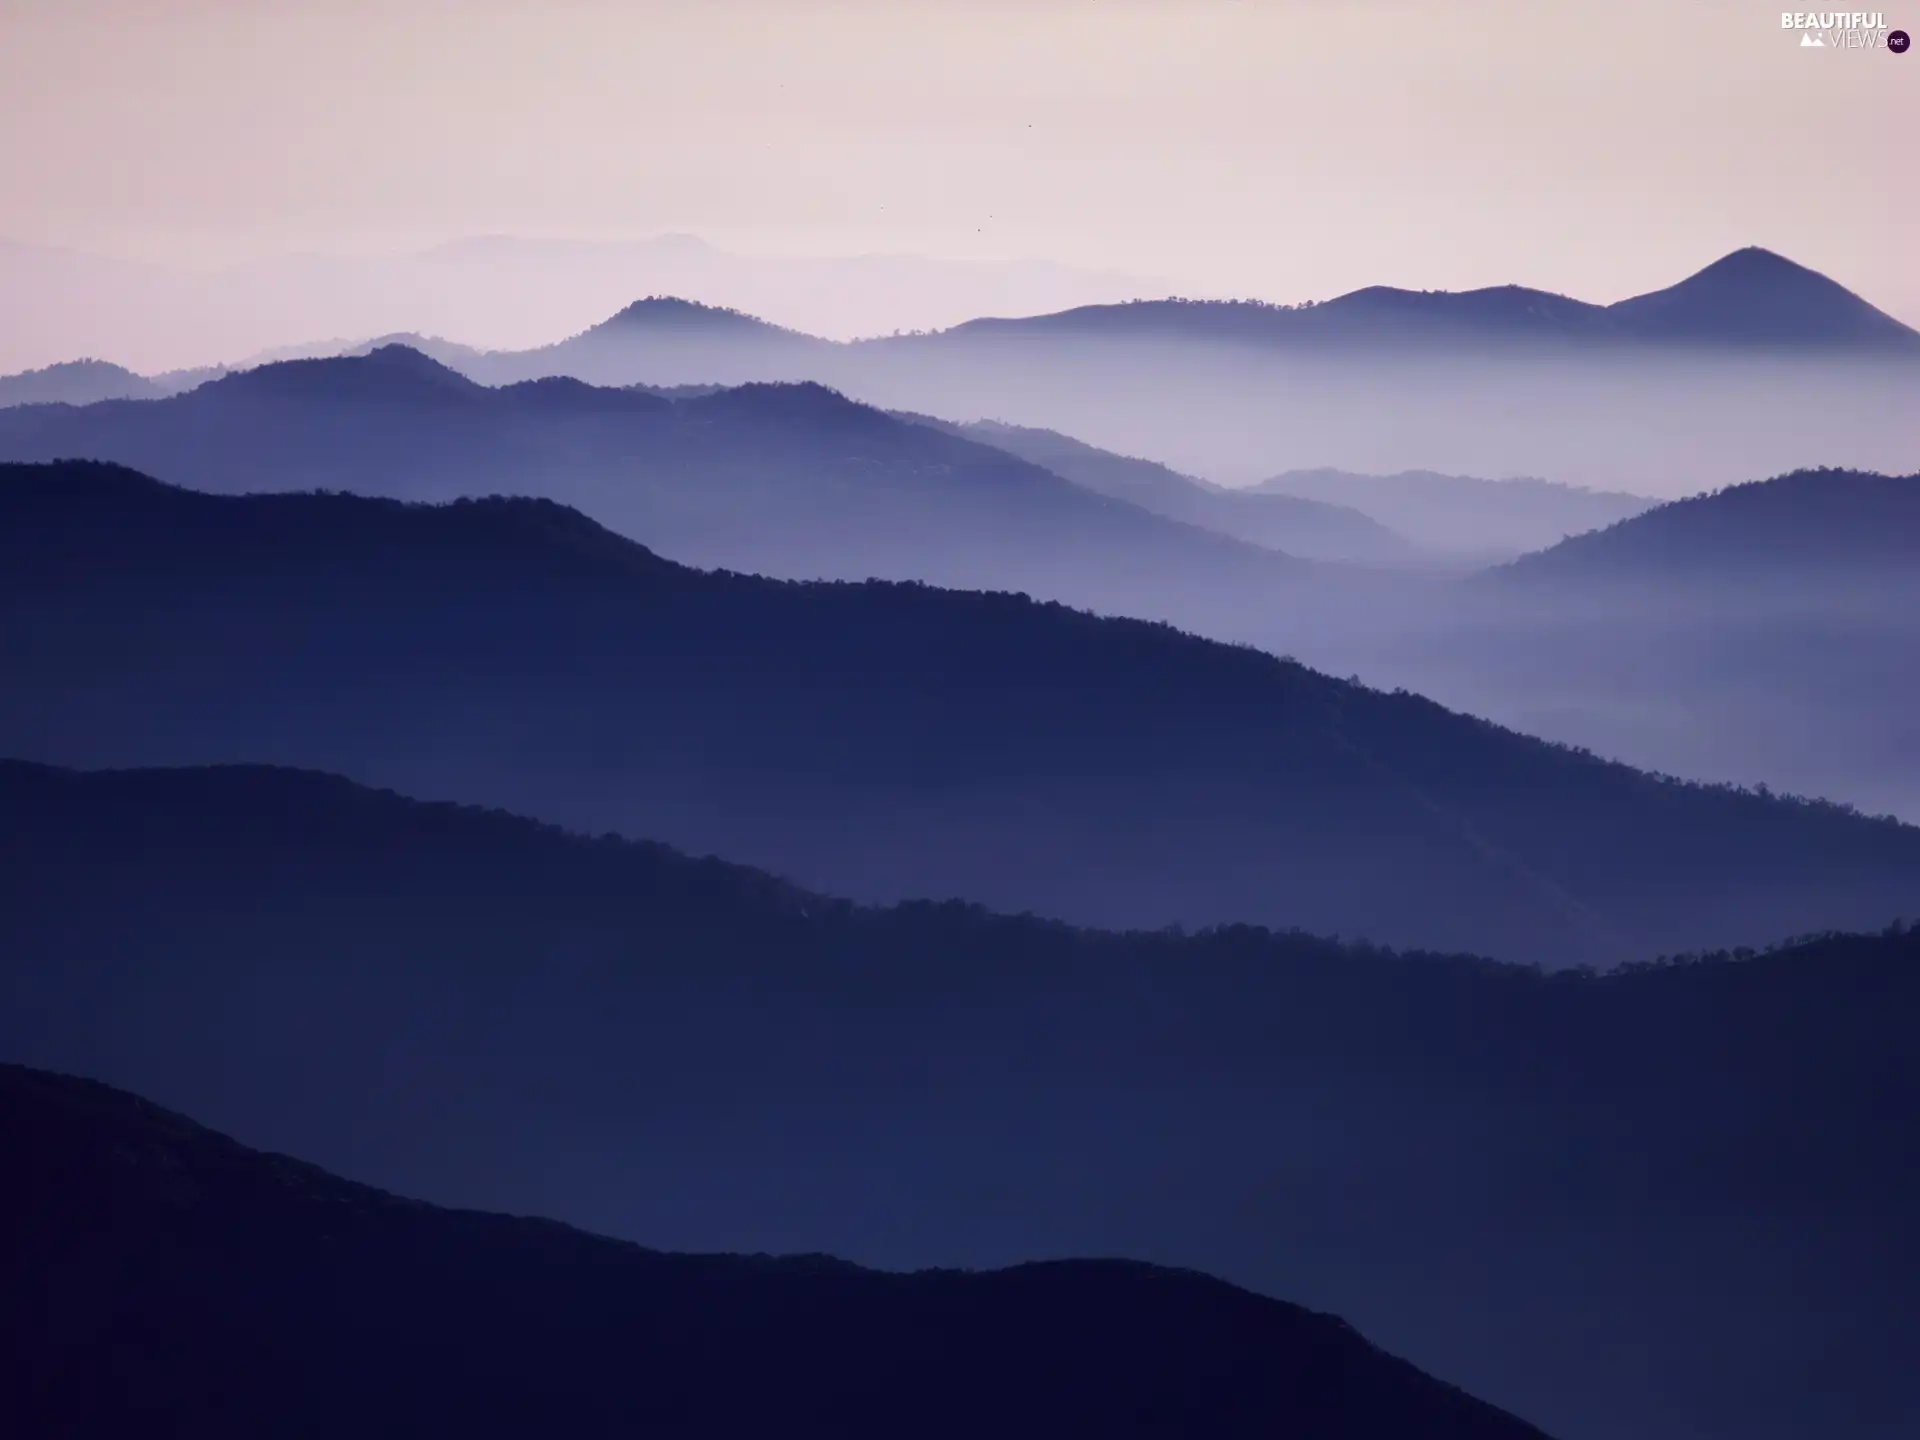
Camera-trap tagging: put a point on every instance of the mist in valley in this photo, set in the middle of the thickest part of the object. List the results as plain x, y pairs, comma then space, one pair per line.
1158, 720
1527, 656
1780, 667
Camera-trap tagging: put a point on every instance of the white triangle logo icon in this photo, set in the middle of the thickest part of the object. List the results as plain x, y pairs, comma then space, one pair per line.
1810, 40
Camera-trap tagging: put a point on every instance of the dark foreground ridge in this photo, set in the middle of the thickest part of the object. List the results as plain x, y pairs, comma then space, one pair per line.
1627, 1206
165, 1280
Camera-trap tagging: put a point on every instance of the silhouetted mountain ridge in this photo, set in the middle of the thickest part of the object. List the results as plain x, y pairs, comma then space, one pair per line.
1756, 297
664, 339
1506, 379
1750, 298
1376, 312
1846, 524
1513, 307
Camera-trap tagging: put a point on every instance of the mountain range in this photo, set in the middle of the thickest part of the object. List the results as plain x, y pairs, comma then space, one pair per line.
612, 839
497, 291
1706, 383
880, 740
1750, 298
1750, 301
1779, 680
1663, 1203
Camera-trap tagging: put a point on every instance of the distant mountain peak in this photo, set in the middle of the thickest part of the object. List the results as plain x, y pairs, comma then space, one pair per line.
1848, 523
671, 310
1756, 266
810, 392
86, 365
1756, 255
1751, 298
395, 370
396, 355
803, 402
75, 382
1754, 295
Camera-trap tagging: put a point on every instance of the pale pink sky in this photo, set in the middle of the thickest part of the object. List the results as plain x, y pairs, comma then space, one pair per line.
1289, 149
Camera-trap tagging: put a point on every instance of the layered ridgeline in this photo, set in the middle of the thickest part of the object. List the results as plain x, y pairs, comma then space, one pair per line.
76, 382
1663, 1203
165, 1277
1710, 381
1325, 528
1751, 300
787, 480
879, 740
1463, 515
1762, 632
1832, 530
87, 382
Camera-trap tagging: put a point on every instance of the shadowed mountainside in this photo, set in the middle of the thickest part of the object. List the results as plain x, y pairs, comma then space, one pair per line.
205, 1288
1837, 525
880, 740
1666, 1203
1755, 297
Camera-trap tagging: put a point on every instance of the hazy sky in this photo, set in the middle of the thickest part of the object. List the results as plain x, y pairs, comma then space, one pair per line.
1289, 149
